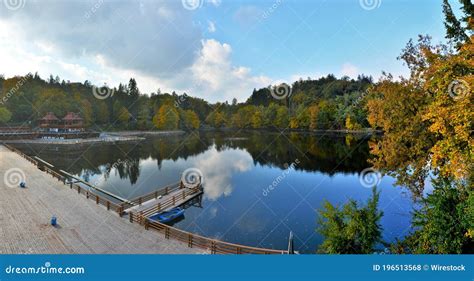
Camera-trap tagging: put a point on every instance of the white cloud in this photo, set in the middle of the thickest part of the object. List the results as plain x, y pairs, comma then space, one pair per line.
214, 75
215, 3
153, 37
350, 70
211, 27
218, 170
151, 41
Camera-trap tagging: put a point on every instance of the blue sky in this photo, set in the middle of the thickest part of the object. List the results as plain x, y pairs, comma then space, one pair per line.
214, 49
320, 36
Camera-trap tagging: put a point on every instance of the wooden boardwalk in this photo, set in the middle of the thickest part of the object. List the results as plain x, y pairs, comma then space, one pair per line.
84, 227
174, 196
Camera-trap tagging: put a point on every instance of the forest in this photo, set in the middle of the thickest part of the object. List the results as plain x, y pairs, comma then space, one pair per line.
325, 103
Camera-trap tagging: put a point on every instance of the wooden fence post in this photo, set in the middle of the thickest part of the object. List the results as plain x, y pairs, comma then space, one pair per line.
213, 247
190, 240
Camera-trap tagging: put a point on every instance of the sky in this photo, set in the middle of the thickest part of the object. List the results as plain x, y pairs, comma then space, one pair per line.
214, 49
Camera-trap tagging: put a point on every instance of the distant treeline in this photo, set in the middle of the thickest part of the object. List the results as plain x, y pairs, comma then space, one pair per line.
325, 103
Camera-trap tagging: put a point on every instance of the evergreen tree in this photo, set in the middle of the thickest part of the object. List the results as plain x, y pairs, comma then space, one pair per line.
351, 229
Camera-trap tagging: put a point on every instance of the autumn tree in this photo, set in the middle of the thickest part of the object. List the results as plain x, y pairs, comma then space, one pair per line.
166, 118
282, 118
257, 118
426, 119
189, 119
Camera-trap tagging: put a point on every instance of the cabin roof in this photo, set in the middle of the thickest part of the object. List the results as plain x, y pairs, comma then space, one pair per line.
72, 116
50, 117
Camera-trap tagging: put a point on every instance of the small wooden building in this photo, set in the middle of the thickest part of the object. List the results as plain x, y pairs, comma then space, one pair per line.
72, 121
49, 121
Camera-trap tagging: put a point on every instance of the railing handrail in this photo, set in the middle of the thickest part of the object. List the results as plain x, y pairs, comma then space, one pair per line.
170, 202
213, 244
162, 191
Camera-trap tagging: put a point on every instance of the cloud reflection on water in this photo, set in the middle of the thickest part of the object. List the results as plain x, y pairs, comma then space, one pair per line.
218, 167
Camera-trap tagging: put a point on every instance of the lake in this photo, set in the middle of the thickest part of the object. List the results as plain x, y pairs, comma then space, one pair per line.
258, 186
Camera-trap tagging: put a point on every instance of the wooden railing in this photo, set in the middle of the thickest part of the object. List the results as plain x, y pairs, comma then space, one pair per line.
81, 190
153, 195
13, 149
99, 200
194, 240
170, 202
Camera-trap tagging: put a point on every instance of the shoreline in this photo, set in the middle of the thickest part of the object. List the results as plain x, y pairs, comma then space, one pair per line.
137, 136
109, 137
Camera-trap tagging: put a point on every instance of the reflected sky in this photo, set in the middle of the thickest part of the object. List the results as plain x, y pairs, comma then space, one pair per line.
238, 169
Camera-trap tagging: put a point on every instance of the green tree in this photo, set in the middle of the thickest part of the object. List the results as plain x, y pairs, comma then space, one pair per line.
282, 118
121, 114
5, 115
257, 118
143, 120
445, 223
101, 112
455, 31
351, 229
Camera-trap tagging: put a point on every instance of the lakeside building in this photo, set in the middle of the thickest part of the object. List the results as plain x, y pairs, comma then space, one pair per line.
71, 123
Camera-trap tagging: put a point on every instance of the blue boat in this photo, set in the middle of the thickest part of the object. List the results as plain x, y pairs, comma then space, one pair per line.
168, 216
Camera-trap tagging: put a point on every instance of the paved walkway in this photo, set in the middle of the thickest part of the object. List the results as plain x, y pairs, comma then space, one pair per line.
84, 227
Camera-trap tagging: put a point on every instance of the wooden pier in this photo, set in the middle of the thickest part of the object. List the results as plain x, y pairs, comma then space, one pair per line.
76, 236
84, 227
165, 199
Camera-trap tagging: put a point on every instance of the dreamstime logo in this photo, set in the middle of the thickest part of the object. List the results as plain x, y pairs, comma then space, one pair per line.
276, 182
192, 4
192, 177
370, 177
180, 100
102, 93
266, 14
13, 177
281, 91
14, 90
370, 4
458, 89
93, 9
14, 5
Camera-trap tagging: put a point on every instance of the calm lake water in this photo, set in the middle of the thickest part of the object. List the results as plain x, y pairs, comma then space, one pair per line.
238, 206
